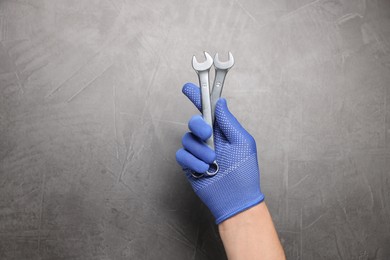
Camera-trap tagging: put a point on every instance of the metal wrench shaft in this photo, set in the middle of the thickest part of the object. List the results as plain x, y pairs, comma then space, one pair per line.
204, 84
219, 80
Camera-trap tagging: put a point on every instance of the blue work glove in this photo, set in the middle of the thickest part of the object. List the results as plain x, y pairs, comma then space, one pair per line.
236, 186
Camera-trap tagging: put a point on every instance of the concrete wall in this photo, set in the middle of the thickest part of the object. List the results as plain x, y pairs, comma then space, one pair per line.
91, 114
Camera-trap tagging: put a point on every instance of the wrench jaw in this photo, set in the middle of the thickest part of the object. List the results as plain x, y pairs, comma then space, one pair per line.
204, 66
226, 65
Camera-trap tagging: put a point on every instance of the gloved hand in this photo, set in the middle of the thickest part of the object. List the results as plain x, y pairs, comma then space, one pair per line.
236, 186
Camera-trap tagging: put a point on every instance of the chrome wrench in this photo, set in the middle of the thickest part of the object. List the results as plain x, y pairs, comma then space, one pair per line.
221, 69
202, 69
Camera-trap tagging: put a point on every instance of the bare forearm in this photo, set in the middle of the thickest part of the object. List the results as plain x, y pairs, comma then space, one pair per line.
251, 235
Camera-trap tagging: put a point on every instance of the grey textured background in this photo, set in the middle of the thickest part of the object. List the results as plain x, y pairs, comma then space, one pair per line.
91, 114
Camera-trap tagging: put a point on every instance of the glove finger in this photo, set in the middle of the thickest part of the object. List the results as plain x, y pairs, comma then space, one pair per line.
199, 127
228, 124
189, 161
193, 93
198, 148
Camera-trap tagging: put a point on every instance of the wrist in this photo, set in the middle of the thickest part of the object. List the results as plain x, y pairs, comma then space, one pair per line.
243, 220
251, 235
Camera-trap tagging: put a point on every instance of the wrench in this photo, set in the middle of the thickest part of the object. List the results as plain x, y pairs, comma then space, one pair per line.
202, 69
221, 69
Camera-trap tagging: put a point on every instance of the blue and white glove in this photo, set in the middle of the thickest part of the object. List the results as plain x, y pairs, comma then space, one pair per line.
236, 186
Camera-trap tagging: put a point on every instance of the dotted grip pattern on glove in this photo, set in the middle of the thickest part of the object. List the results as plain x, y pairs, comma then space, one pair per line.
236, 187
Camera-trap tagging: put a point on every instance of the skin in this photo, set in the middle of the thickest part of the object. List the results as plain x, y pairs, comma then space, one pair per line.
251, 234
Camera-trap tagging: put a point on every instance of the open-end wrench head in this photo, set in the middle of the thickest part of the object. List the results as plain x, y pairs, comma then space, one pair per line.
206, 65
224, 65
